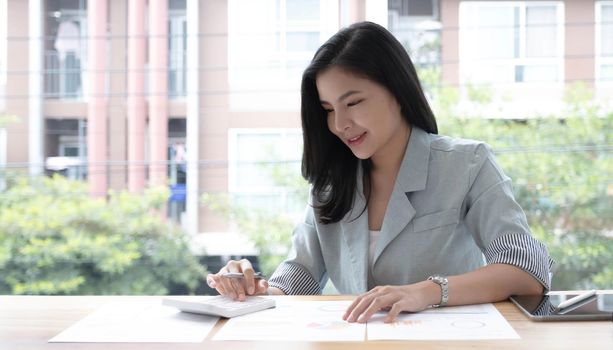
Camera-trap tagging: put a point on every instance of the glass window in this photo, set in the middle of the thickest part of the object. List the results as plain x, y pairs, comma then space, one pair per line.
261, 162
66, 153
3, 53
416, 24
541, 31
177, 49
604, 41
606, 72
606, 21
270, 42
65, 48
3, 34
511, 42
302, 10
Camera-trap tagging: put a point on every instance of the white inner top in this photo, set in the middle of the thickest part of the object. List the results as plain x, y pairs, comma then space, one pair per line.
374, 236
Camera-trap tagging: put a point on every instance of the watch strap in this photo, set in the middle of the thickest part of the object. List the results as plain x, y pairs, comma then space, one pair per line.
443, 283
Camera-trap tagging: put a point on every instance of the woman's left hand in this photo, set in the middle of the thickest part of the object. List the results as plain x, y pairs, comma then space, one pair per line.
413, 297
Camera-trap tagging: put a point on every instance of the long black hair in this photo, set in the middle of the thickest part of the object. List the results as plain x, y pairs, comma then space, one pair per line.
369, 50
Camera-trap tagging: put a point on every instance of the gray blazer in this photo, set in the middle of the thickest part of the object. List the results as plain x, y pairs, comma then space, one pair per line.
451, 211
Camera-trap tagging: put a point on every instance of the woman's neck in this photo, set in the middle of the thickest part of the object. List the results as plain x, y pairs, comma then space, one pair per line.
387, 164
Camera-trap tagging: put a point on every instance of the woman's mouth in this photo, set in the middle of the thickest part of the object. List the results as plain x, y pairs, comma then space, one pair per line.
356, 140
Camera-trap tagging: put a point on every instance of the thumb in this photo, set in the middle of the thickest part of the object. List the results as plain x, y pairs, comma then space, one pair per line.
210, 280
262, 287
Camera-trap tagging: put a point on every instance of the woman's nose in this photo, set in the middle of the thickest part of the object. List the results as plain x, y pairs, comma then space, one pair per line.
342, 121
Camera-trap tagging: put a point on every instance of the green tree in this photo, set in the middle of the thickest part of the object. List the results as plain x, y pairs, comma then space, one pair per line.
270, 232
560, 167
56, 239
6, 119
561, 170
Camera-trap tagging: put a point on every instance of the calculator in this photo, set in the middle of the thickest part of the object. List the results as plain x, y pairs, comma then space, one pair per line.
219, 305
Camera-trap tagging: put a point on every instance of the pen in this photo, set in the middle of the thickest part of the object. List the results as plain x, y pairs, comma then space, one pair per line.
257, 275
576, 299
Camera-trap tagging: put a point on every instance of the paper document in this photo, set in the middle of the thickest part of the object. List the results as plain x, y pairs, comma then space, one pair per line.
295, 321
138, 321
472, 322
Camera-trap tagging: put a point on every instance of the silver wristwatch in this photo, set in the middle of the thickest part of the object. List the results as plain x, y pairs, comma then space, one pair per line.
442, 282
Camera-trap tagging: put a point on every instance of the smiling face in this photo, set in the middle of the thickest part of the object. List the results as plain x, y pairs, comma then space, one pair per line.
363, 114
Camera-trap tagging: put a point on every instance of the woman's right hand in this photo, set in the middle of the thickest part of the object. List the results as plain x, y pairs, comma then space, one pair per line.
237, 288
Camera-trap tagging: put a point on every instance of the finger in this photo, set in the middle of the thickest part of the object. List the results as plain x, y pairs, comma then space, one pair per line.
248, 273
376, 305
214, 282
221, 287
366, 301
237, 286
351, 307
395, 310
210, 281
233, 266
262, 287
227, 286
357, 300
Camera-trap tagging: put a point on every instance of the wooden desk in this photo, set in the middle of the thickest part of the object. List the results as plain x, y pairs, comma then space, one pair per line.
27, 322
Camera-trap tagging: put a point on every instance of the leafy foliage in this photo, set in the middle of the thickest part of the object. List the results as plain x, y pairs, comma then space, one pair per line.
561, 170
56, 239
6, 119
270, 232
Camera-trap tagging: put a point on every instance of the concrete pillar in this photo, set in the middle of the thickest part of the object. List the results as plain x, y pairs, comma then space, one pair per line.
450, 38
193, 116
35, 87
117, 85
579, 52
351, 11
136, 96
158, 91
97, 99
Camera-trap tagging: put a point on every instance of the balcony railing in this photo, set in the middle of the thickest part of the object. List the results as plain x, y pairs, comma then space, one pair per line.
63, 75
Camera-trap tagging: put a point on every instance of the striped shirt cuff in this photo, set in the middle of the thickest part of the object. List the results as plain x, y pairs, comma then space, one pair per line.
523, 251
293, 279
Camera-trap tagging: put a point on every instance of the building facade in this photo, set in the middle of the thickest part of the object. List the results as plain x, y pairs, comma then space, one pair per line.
192, 94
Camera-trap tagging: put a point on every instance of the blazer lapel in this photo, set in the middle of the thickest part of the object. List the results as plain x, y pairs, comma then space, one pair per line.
398, 214
354, 228
412, 176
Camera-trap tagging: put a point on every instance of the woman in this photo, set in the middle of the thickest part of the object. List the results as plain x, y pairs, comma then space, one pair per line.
399, 215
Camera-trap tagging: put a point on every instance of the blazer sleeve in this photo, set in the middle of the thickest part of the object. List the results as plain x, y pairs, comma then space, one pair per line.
497, 222
303, 272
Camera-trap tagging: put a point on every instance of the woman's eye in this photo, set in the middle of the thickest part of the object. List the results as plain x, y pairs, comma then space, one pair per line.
328, 110
351, 104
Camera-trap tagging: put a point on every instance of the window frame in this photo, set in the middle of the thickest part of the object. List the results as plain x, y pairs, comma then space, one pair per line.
177, 53
521, 60
62, 92
599, 59
4, 27
279, 90
233, 163
3, 43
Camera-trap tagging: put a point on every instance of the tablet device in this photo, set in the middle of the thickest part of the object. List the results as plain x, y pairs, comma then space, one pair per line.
545, 307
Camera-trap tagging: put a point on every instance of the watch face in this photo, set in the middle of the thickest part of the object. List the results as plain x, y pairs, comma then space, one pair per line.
437, 279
